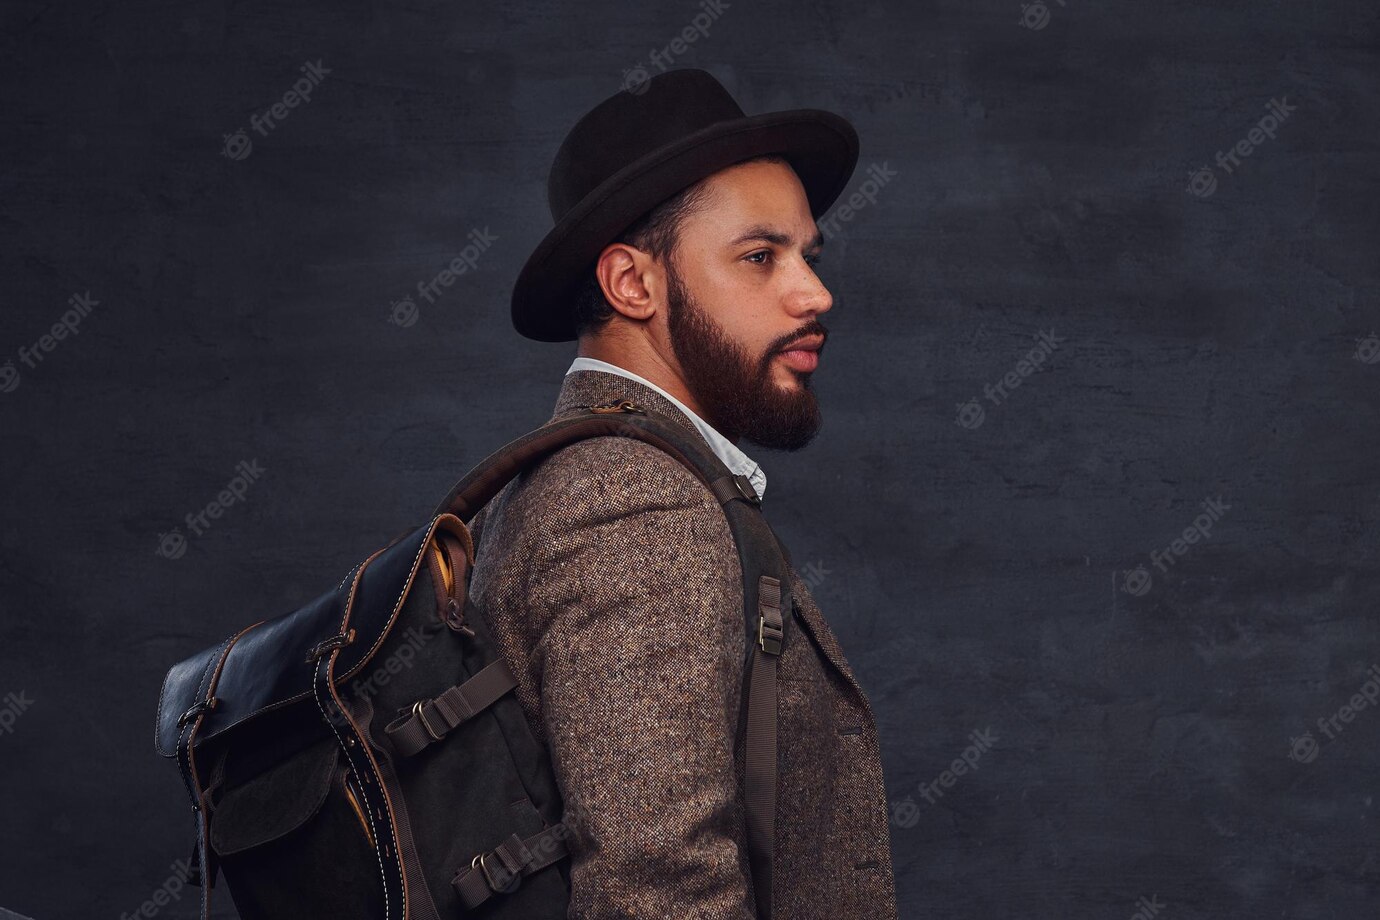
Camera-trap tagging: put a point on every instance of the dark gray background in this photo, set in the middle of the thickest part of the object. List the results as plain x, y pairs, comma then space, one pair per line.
1148, 746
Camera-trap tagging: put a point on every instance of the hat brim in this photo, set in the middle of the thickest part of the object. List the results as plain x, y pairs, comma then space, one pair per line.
821, 147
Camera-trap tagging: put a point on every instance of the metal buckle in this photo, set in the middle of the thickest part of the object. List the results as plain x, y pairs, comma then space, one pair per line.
744, 485
421, 717
514, 878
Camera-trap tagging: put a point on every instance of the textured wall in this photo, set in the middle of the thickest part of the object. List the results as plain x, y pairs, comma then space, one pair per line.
1062, 327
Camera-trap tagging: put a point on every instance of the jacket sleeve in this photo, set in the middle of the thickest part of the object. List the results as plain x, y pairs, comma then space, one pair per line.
641, 672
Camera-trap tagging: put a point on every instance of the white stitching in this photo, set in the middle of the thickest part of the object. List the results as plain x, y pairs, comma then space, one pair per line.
158, 724
200, 687
368, 809
397, 606
347, 576
316, 692
187, 780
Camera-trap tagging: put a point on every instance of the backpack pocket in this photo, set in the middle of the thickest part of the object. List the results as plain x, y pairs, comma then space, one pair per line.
283, 836
277, 801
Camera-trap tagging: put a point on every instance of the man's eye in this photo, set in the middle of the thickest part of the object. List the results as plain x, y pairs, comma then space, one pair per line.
810, 260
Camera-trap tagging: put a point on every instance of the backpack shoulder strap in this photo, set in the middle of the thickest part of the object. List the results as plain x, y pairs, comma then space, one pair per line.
621, 418
766, 587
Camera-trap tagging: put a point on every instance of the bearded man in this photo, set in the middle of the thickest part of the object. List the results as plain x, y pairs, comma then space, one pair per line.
682, 261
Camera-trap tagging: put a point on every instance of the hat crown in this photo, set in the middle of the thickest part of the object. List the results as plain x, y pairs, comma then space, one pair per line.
631, 124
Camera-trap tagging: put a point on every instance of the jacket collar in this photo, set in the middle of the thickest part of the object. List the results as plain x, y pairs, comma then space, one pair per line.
590, 388
584, 386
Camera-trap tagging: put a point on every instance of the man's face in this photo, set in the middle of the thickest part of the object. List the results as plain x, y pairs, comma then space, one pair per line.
741, 289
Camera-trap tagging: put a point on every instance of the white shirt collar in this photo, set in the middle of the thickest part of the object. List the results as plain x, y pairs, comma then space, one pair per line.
733, 458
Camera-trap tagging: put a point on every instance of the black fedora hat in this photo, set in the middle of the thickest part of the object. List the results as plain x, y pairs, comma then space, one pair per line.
643, 145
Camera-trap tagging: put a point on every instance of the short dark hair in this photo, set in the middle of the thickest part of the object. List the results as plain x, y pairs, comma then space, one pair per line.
656, 233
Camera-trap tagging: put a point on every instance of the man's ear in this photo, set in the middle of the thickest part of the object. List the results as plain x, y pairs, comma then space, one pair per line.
630, 279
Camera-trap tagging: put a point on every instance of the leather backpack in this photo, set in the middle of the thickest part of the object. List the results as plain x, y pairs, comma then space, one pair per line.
363, 755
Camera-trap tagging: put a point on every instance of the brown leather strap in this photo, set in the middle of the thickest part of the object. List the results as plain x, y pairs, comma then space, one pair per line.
492, 473
420, 905
431, 720
204, 868
760, 773
405, 895
500, 870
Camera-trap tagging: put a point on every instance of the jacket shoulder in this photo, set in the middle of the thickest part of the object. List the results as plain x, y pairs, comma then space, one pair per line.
609, 483
618, 474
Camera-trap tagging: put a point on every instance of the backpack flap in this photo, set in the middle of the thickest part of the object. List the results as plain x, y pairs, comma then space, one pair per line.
269, 665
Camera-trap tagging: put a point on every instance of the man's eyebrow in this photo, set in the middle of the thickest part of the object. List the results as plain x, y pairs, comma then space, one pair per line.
776, 237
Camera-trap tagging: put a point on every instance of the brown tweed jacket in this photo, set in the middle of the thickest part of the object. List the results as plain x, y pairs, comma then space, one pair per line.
610, 579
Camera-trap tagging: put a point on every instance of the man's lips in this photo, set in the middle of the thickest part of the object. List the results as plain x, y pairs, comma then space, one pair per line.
803, 355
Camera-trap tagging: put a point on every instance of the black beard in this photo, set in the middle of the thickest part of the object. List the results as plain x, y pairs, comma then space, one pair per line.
734, 389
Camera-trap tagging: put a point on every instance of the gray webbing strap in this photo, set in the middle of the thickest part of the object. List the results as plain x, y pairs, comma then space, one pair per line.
760, 770
500, 870
431, 720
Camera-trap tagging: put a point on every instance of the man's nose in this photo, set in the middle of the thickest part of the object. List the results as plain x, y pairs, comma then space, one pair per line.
812, 296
